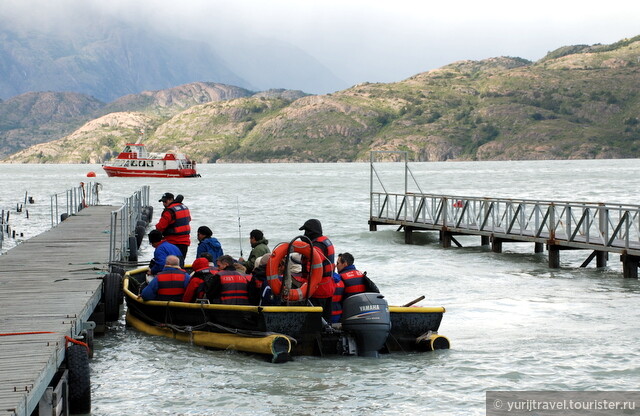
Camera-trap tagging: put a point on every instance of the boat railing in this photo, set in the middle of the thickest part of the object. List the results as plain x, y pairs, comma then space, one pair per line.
73, 200
123, 225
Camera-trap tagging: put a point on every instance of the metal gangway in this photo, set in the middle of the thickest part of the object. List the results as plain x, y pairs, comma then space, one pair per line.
559, 225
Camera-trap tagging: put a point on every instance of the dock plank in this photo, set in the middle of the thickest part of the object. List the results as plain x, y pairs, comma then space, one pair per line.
50, 283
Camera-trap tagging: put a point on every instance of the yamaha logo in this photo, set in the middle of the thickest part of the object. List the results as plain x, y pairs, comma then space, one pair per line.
365, 308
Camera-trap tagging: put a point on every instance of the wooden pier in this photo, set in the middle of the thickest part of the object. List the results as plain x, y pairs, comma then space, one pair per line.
49, 287
599, 228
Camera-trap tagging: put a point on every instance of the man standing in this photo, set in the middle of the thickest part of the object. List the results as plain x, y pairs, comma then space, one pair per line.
324, 293
258, 249
313, 231
174, 223
169, 284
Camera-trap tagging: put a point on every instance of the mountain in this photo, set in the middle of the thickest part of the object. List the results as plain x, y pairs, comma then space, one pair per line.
107, 57
33, 118
106, 61
169, 101
577, 102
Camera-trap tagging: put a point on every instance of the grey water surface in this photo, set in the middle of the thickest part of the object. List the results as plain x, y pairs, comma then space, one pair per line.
513, 323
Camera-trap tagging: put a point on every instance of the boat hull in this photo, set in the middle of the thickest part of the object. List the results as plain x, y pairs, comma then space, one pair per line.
412, 329
167, 173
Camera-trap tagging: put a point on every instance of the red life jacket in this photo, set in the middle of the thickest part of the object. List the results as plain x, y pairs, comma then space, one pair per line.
336, 302
235, 289
353, 282
171, 284
326, 287
329, 251
192, 292
181, 219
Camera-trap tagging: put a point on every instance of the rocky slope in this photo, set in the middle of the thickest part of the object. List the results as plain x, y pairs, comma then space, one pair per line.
37, 117
33, 118
577, 102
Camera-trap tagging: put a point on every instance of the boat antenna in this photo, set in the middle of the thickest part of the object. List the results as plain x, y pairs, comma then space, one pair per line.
239, 227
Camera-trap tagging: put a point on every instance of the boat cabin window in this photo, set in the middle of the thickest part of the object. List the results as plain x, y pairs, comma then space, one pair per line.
127, 149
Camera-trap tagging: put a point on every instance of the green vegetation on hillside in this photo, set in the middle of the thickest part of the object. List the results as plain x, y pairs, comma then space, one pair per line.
577, 102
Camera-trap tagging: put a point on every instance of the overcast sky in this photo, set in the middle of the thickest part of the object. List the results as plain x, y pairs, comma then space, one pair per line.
380, 41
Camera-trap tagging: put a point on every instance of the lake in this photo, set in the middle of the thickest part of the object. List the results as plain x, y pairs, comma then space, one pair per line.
513, 323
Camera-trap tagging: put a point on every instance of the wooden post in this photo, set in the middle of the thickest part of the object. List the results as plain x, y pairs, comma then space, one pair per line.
445, 238
484, 240
408, 235
554, 257
538, 248
373, 226
629, 266
496, 245
601, 258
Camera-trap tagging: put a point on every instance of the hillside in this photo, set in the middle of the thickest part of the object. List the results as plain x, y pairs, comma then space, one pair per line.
33, 118
577, 102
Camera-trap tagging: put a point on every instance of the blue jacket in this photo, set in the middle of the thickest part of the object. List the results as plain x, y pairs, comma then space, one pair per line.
160, 256
210, 245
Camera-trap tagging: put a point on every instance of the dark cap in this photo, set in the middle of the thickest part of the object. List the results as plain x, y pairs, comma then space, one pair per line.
312, 225
205, 231
166, 196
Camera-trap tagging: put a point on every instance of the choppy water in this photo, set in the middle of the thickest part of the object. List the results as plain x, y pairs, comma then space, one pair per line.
513, 323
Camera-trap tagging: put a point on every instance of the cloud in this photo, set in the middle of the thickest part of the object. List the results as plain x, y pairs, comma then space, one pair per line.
362, 40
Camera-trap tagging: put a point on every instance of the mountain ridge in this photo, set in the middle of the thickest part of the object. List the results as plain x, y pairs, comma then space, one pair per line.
576, 102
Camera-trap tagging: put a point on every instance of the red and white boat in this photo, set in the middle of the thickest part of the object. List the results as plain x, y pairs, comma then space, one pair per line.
134, 160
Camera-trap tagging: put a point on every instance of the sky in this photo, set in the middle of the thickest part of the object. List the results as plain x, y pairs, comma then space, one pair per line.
374, 40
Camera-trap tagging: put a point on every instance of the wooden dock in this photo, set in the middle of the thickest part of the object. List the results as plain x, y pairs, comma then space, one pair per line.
49, 287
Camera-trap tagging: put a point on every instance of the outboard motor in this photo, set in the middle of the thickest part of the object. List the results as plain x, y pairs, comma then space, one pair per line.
366, 316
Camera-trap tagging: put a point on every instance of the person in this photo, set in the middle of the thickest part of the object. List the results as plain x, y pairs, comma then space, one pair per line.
259, 248
196, 288
208, 244
212, 264
323, 294
228, 286
354, 281
260, 292
174, 223
169, 284
295, 269
313, 231
162, 249
336, 299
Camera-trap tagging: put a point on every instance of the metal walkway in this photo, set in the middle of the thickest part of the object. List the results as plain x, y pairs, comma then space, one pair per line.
49, 286
558, 225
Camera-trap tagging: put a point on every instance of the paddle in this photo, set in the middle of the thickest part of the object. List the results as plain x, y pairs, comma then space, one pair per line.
413, 302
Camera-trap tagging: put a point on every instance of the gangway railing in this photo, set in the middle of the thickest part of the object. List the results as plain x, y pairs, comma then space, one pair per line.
73, 200
596, 226
601, 227
123, 225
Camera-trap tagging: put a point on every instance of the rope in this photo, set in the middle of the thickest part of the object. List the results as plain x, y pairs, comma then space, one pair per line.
67, 338
75, 341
